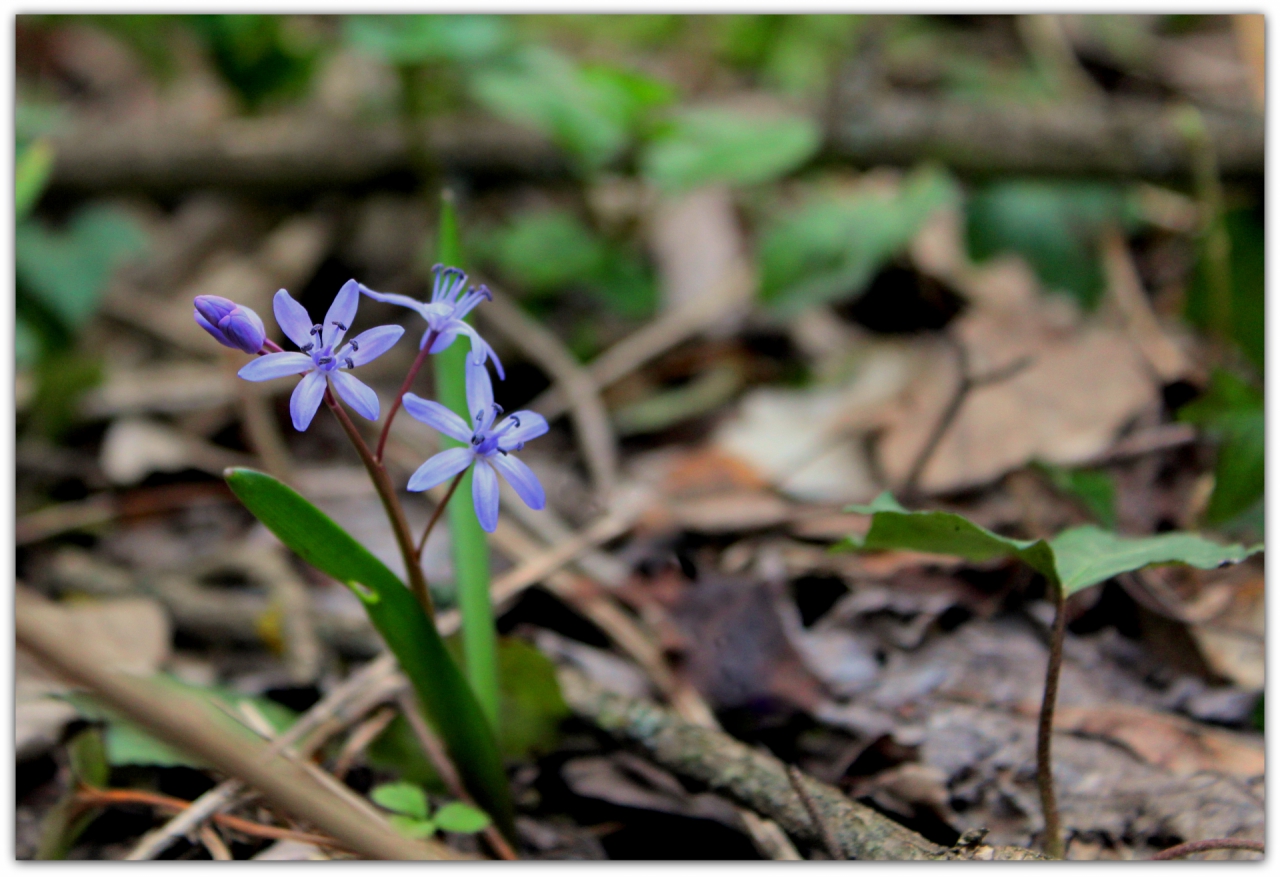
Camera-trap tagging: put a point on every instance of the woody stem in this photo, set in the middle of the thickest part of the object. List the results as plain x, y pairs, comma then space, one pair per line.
418, 362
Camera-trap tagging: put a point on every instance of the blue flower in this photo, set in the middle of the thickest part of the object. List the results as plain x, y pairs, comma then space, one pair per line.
488, 446
230, 324
445, 312
322, 358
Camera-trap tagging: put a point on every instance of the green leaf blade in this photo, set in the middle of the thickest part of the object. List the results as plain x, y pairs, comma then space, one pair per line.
411, 636
404, 798
1088, 555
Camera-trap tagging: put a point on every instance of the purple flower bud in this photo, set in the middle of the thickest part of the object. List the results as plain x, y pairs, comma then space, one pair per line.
230, 324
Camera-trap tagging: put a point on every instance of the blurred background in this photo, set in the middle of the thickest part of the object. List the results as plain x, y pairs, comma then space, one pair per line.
761, 266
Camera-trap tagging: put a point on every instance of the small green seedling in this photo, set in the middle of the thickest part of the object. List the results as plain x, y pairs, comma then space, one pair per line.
408, 804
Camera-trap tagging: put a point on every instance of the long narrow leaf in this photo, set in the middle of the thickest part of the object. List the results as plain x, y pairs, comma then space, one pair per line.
417, 645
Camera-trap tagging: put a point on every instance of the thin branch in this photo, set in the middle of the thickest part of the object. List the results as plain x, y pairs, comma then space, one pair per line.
828, 837
1202, 846
390, 502
967, 384
423, 354
1044, 732
439, 510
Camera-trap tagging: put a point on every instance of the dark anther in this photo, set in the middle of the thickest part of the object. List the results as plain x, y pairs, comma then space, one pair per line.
325, 360
355, 345
307, 348
497, 409
515, 421
475, 440
350, 363
502, 452
317, 329
339, 325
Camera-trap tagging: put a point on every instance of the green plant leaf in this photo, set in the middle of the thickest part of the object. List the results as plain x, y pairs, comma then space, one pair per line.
412, 637
718, 145
398, 751
1232, 412
262, 57
461, 818
405, 798
1248, 285
831, 246
1094, 488
590, 112
66, 271
1056, 226
32, 167
419, 39
1074, 559
412, 827
531, 705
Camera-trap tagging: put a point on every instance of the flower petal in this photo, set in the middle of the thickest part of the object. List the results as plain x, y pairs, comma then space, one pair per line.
442, 342
484, 493
438, 417
520, 477
212, 330
393, 298
293, 319
276, 365
479, 394
340, 314
480, 349
306, 399
372, 343
441, 468
532, 425
355, 394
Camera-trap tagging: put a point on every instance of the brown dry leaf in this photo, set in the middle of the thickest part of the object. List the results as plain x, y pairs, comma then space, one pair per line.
168, 388
1234, 643
1082, 384
133, 448
732, 512
1177, 745
1126, 296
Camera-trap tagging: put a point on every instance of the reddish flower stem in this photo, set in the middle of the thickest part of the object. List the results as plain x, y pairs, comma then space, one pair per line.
418, 362
435, 516
1201, 846
390, 502
1044, 733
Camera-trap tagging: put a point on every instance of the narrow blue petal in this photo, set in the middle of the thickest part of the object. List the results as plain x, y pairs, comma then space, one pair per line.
442, 342
440, 468
306, 399
355, 394
520, 477
438, 417
480, 349
532, 425
393, 298
341, 313
293, 319
244, 328
276, 365
372, 343
484, 493
212, 330
479, 394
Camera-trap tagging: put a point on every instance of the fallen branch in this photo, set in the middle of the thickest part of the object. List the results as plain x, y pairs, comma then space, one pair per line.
760, 781
1204, 846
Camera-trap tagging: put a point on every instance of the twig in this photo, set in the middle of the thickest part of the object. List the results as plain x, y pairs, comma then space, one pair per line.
439, 509
107, 797
1053, 847
828, 837
967, 384
214, 843
435, 751
757, 780
360, 738
1201, 846
590, 420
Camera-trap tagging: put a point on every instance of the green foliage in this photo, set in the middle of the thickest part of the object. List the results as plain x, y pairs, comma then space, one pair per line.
831, 246
66, 820
529, 699
1232, 412
409, 805
62, 377
796, 53
1075, 559
422, 39
1095, 489
65, 272
32, 166
592, 112
262, 57
718, 145
125, 743
1056, 226
446, 697
1247, 283
546, 251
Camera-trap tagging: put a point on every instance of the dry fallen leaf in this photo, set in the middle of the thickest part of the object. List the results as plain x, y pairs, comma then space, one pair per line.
1234, 643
